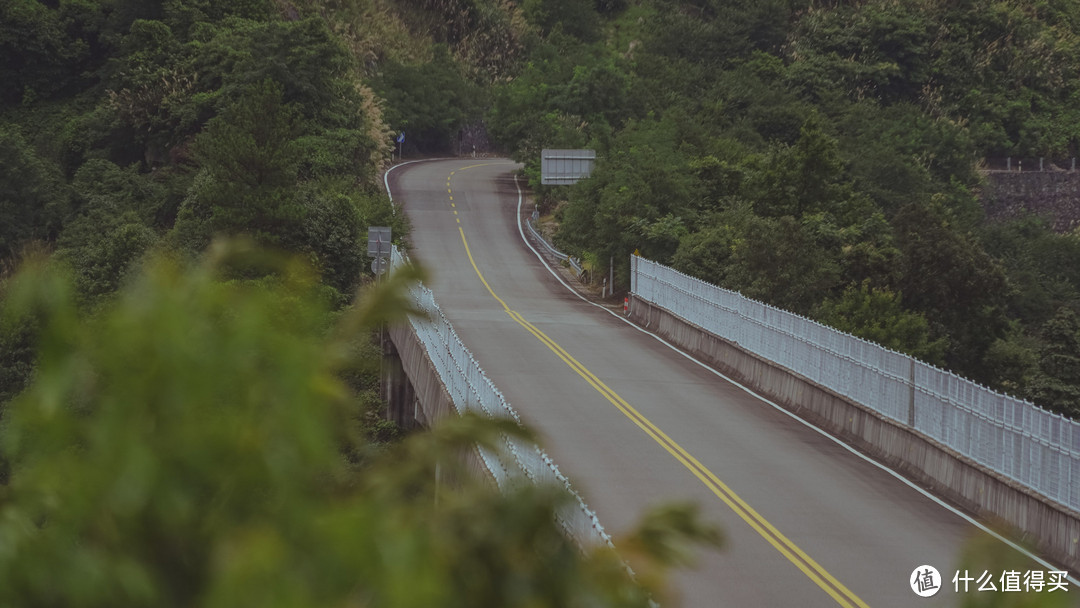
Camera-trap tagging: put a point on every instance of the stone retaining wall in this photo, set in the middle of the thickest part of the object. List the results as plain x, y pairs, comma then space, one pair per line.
1051, 194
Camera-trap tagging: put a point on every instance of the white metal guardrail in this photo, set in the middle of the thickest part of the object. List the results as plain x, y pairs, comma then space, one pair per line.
472, 391
1015, 438
574, 262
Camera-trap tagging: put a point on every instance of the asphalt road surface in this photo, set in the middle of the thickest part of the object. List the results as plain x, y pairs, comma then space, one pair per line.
808, 523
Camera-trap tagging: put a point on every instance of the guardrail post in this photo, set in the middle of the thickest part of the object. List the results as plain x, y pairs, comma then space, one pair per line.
911, 395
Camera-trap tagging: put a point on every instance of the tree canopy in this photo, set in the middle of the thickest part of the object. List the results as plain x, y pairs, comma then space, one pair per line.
189, 412
822, 157
179, 425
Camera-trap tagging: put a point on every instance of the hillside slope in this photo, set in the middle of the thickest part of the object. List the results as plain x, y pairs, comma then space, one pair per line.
823, 157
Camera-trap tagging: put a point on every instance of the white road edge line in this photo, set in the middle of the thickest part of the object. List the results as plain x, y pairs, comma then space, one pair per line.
386, 179
749, 391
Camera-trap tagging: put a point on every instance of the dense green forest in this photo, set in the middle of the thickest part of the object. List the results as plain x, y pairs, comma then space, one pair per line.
822, 156
189, 408
133, 127
185, 187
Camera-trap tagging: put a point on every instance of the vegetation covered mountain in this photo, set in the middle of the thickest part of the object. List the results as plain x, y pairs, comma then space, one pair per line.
823, 157
128, 127
189, 412
819, 155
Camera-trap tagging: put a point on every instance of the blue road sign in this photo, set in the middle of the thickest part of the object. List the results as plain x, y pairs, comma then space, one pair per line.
401, 137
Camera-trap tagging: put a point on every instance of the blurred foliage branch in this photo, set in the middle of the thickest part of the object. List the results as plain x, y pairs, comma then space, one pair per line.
187, 445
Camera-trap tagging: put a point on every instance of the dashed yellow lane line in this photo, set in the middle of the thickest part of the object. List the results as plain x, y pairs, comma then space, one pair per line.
807, 565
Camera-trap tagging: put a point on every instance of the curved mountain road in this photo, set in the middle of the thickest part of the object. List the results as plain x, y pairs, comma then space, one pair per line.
808, 523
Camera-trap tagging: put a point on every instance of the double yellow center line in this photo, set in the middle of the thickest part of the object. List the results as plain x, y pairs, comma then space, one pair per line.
814, 571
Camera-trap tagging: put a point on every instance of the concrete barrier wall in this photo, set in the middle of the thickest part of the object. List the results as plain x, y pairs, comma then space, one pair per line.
1052, 528
432, 400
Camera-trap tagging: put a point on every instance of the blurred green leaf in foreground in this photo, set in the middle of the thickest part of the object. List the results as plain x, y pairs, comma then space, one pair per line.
193, 444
